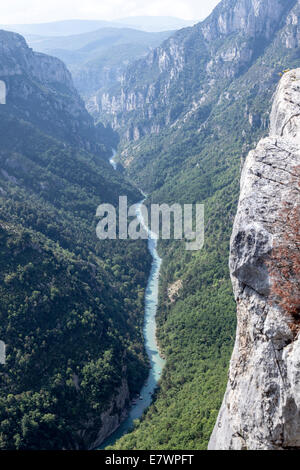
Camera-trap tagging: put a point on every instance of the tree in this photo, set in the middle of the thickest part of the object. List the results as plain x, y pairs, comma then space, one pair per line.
284, 264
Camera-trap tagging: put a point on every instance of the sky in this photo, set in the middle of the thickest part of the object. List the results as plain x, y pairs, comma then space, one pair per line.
40, 11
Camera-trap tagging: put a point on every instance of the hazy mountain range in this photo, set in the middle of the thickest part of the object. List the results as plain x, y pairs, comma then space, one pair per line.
70, 27
98, 52
99, 58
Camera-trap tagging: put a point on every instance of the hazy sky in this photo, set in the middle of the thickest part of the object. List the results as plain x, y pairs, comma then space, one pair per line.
34, 11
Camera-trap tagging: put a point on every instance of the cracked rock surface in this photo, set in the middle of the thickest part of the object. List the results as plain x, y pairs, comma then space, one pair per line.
261, 406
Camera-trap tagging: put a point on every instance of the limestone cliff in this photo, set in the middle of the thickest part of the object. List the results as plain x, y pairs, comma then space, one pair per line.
181, 79
40, 90
261, 407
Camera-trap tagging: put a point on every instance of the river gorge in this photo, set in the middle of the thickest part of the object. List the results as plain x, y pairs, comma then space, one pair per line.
141, 403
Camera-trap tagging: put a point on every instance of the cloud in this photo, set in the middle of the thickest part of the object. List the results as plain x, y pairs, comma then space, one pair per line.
34, 11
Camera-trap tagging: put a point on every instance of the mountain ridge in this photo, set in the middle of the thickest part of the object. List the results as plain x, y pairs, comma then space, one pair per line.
178, 55
25, 72
67, 27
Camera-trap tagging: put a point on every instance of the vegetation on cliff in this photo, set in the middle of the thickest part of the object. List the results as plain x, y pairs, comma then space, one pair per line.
284, 263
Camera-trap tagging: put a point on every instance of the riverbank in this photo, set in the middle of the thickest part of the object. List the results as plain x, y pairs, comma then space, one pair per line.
144, 400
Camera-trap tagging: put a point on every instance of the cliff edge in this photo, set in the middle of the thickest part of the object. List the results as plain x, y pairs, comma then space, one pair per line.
40, 90
261, 407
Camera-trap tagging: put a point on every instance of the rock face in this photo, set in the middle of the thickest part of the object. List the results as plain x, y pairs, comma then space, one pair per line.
44, 85
111, 419
183, 75
261, 407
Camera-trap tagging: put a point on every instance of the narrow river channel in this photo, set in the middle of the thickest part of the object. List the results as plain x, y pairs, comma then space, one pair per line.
156, 361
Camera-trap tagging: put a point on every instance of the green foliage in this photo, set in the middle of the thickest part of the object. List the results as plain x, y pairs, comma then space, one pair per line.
198, 160
71, 306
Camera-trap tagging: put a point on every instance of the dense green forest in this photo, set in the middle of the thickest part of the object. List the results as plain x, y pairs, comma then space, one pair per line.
71, 306
198, 159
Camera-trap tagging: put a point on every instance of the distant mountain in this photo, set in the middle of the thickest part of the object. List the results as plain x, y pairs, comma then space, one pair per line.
71, 27
98, 59
98, 52
60, 28
89, 44
155, 23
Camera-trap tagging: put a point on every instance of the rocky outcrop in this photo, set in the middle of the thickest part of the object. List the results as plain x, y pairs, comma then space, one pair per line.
291, 33
41, 67
261, 407
40, 90
111, 418
256, 18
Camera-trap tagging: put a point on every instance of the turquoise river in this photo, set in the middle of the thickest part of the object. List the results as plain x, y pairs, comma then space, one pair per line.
156, 361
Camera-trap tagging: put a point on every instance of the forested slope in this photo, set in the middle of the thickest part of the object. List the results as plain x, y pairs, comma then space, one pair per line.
71, 307
219, 77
